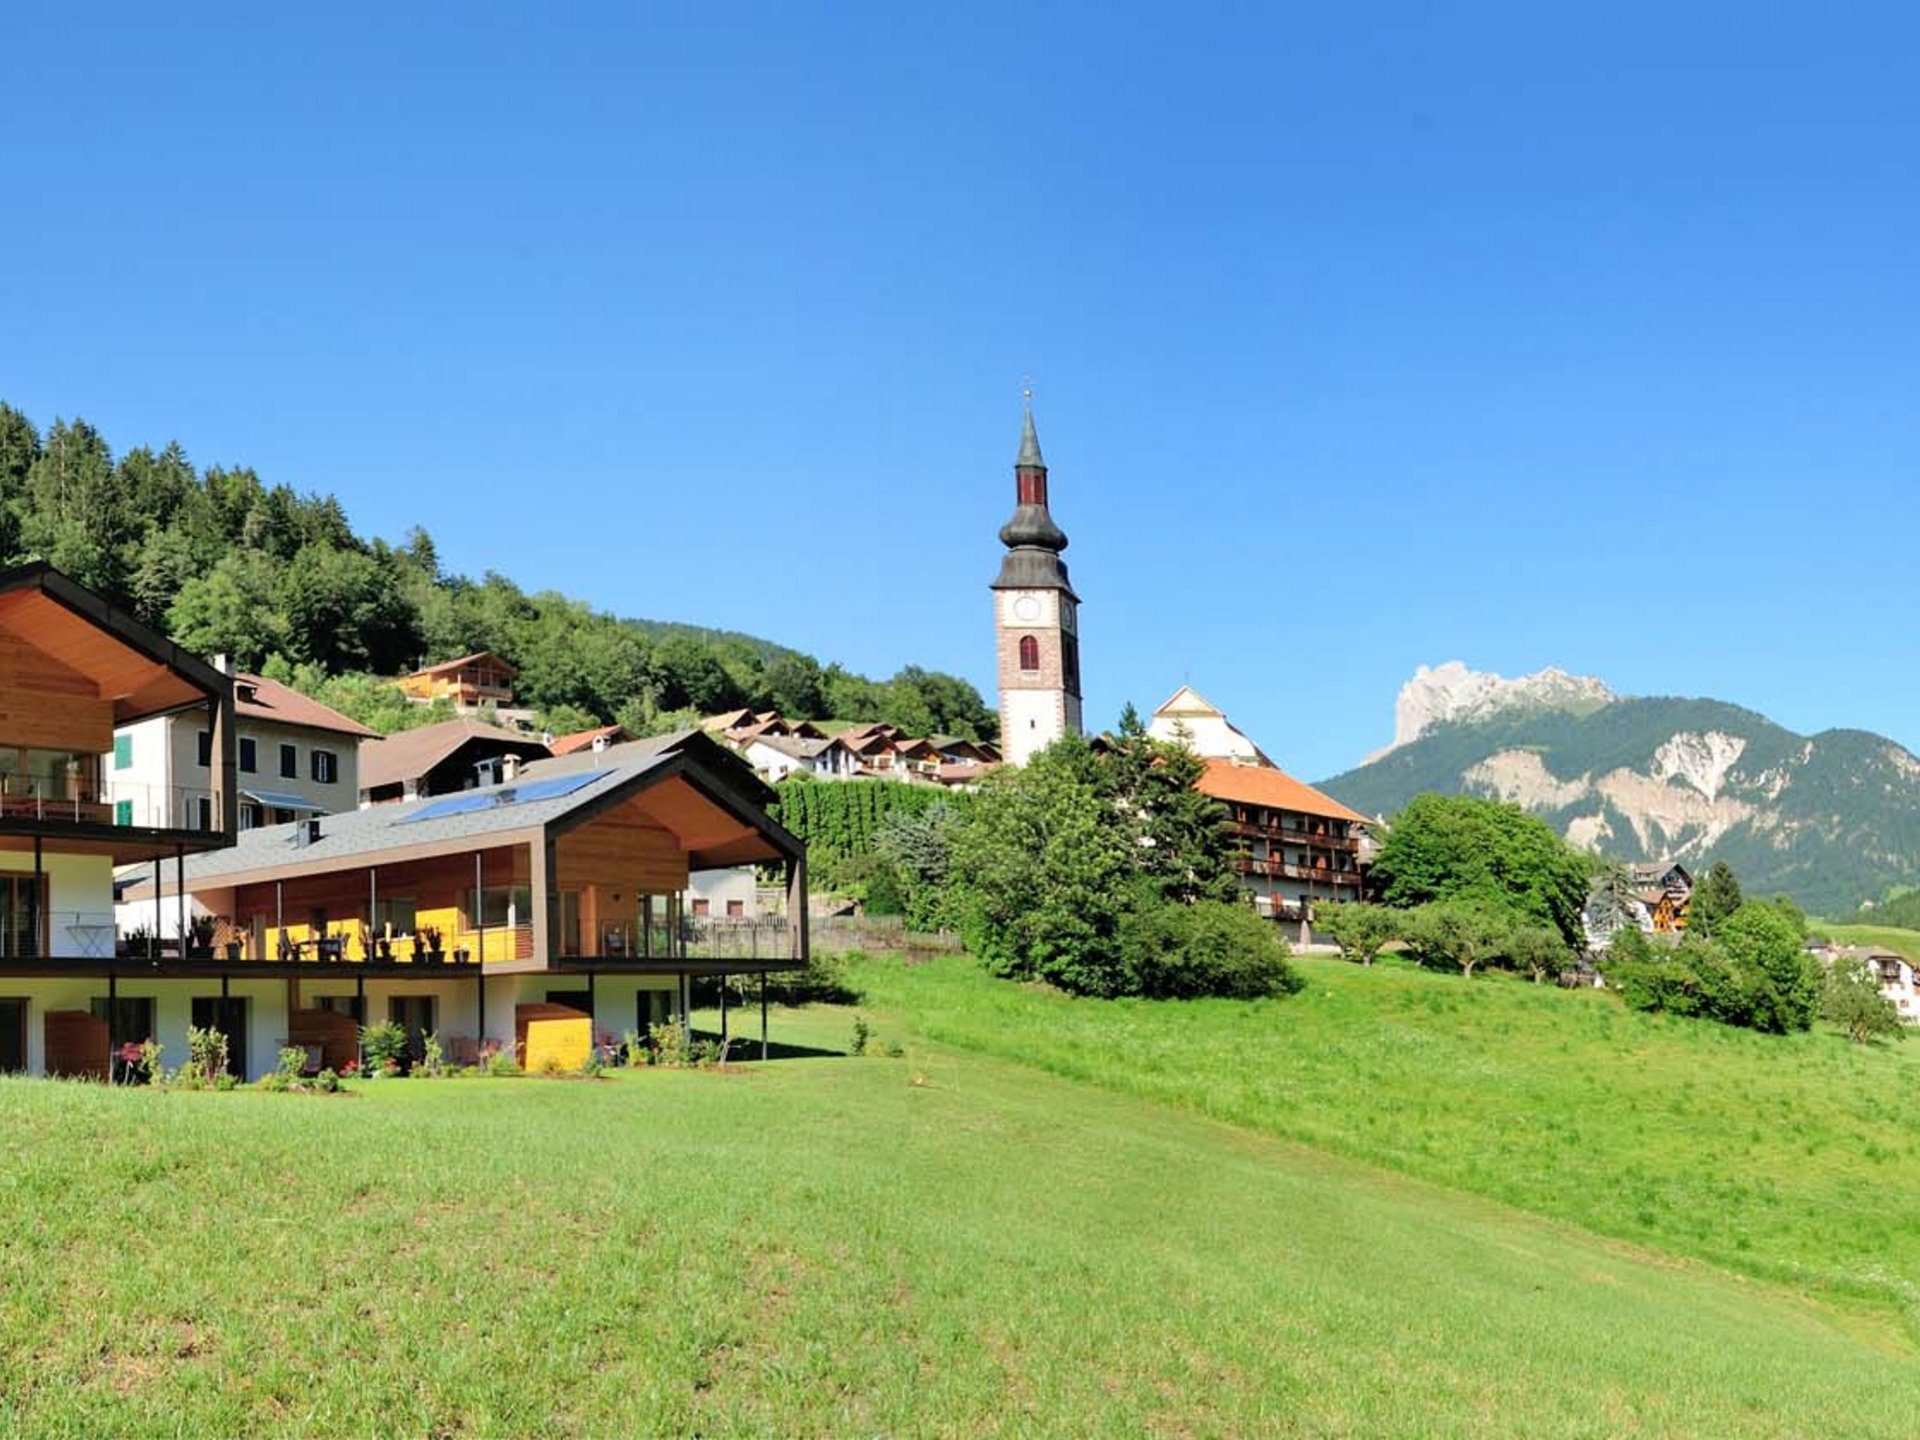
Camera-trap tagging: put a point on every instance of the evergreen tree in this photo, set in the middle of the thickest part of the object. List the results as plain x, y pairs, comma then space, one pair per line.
1715, 898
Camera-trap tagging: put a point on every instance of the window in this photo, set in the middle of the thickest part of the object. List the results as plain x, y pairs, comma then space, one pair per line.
123, 812
736, 909
501, 905
23, 917
702, 908
205, 807
1029, 653
205, 757
326, 767
123, 752
249, 755
398, 916
289, 763
250, 818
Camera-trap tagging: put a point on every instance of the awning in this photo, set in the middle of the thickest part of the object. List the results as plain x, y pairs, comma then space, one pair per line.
279, 801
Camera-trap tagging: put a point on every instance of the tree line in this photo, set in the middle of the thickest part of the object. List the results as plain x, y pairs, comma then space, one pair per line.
227, 564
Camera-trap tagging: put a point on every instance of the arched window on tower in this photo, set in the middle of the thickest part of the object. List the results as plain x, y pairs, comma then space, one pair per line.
1029, 653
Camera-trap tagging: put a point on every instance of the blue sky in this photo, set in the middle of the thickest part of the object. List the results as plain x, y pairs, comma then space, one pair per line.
1361, 339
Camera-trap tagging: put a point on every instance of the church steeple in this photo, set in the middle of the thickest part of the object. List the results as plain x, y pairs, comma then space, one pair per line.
1036, 615
1033, 540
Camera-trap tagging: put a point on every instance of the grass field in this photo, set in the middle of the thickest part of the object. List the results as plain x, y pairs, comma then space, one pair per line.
1891, 937
1793, 1158
949, 1244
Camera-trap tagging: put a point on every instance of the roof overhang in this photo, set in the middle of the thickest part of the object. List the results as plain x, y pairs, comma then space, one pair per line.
139, 671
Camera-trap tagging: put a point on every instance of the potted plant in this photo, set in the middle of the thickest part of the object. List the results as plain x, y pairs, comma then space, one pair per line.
431, 944
137, 941
383, 948
236, 947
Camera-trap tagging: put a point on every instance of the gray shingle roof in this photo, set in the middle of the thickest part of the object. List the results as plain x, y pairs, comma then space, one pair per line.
368, 833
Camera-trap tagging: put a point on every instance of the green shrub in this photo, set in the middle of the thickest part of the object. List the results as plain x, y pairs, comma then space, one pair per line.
291, 1060
1211, 947
668, 1041
861, 1034
208, 1049
503, 1061
385, 1046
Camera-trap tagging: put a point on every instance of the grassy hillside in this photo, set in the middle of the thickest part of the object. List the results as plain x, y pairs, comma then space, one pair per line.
945, 1245
1891, 937
1753, 1151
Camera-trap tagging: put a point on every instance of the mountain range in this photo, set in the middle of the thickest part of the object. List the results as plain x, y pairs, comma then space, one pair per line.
1831, 819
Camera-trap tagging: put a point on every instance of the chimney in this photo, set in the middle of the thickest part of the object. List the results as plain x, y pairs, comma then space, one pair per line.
599, 743
509, 769
307, 832
223, 664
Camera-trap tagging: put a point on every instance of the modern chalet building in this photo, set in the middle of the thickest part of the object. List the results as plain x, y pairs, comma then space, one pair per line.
562, 887
464, 914
73, 670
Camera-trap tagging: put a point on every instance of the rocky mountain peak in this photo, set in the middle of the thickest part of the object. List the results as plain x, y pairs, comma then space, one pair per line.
1439, 694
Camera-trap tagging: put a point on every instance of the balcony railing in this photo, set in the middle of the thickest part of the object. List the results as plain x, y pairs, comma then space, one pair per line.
1284, 870
67, 799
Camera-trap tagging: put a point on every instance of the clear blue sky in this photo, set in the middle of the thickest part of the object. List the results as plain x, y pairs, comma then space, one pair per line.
1361, 338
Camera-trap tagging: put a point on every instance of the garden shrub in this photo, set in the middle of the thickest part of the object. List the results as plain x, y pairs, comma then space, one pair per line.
1178, 952
385, 1046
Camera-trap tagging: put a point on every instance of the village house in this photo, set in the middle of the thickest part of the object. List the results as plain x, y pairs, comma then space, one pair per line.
1295, 846
778, 756
468, 683
441, 759
600, 738
296, 757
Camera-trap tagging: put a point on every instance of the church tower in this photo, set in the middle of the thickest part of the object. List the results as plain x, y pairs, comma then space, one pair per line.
1035, 613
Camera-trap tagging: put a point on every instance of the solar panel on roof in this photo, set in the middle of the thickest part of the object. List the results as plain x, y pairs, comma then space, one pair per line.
503, 796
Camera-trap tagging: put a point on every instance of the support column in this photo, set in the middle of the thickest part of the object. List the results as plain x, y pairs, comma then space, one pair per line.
723, 1008
35, 912
113, 1016
763, 1015
541, 874
279, 923
479, 911
373, 909
225, 757
359, 1030
180, 895
799, 942
159, 888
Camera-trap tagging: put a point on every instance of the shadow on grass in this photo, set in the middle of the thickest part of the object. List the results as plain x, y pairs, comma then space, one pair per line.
746, 1047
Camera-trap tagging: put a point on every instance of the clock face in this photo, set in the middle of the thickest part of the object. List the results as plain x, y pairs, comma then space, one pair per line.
1027, 608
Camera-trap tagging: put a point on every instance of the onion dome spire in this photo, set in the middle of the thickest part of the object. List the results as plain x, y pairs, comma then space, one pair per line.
1033, 540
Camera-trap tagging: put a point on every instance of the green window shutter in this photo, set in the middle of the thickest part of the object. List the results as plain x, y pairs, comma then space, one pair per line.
123, 812
123, 752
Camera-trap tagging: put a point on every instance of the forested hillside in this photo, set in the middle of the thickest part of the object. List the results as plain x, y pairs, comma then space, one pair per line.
229, 564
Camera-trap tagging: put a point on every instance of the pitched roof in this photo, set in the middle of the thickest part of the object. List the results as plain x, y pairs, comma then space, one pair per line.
581, 739
468, 660
282, 704
800, 747
470, 815
1272, 787
711, 753
412, 753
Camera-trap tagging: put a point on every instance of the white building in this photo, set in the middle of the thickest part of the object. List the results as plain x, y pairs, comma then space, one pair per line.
297, 757
776, 757
1189, 718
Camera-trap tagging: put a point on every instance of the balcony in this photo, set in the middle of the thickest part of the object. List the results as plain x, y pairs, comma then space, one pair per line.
1283, 870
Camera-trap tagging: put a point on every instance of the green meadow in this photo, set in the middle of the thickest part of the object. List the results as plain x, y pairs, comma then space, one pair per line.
1791, 1158
1312, 1217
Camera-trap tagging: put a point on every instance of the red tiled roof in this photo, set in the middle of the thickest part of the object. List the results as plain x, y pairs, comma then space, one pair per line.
580, 740
1272, 787
271, 700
